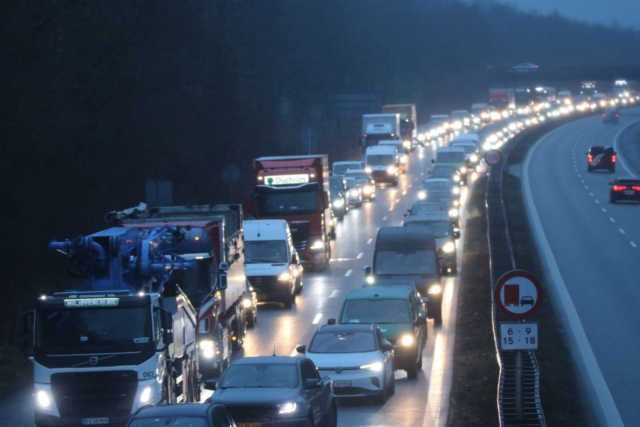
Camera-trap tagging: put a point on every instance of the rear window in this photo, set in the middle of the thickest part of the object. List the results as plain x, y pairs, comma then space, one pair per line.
451, 156
376, 311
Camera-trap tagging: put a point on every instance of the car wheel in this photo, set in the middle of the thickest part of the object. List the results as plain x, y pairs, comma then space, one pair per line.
392, 387
309, 422
288, 303
437, 316
412, 372
299, 285
382, 397
454, 269
332, 417
333, 233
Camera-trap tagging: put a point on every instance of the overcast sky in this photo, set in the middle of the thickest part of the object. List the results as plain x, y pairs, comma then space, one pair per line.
625, 12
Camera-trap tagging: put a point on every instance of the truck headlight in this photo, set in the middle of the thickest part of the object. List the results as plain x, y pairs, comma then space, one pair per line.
367, 170
406, 144
449, 247
284, 277
288, 408
474, 158
421, 137
354, 193
455, 190
317, 245
454, 213
247, 303
391, 170
145, 396
456, 178
435, 289
338, 204
43, 399
422, 195
207, 349
375, 367
463, 169
370, 280
406, 340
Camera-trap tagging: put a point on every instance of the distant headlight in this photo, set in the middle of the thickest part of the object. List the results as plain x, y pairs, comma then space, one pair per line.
406, 340
317, 245
403, 159
354, 193
288, 408
338, 203
370, 280
457, 125
474, 158
367, 189
367, 170
455, 190
456, 178
463, 169
421, 137
422, 195
456, 203
247, 303
435, 289
391, 170
285, 277
375, 367
449, 247
476, 120
43, 399
207, 348
406, 144
454, 213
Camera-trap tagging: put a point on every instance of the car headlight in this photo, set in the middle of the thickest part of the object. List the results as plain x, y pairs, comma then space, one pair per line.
456, 178
317, 245
463, 169
435, 289
367, 170
456, 203
449, 247
338, 203
284, 277
288, 408
422, 195
456, 190
370, 280
247, 303
145, 396
354, 193
453, 212
391, 170
43, 399
375, 367
406, 340
474, 158
367, 189
406, 144
403, 159
421, 137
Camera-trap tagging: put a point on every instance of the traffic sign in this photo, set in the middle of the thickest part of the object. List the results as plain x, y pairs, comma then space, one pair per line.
493, 157
518, 294
518, 336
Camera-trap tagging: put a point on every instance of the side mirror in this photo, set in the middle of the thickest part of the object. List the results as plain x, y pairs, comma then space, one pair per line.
223, 282
386, 347
312, 383
406, 214
331, 322
302, 349
421, 320
210, 385
325, 199
367, 270
223, 266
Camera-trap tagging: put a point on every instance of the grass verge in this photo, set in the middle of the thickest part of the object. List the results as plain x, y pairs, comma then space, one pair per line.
16, 371
475, 367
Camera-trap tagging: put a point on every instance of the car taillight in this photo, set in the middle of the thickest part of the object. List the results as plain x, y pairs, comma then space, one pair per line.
590, 158
613, 158
636, 187
617, 115
604, 115
619, 187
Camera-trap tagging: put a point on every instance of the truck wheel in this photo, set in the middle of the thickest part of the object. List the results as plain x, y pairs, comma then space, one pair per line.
454, 269
253, 318
333, 233
288, 303
239, 328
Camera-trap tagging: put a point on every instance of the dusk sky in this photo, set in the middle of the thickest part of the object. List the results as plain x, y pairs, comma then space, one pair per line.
624, 12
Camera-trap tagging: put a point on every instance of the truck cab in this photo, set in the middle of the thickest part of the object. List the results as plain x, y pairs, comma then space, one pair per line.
272, 263
382, 163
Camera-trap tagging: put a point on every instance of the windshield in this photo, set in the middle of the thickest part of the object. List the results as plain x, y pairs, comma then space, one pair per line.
405, 262
440, 228
87, 327
340, 169
265, 252
197, 281
343, 342
380, 159
425, 207
376, 311
180, 421
260, 375
450, 156
288, 204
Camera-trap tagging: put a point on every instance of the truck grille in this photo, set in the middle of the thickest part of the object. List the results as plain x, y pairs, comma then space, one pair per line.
253, 413
94, 394
299, 234
300, 246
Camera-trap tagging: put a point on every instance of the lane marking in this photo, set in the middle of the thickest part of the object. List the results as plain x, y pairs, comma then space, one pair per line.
421, 173
369, 241
633, 244
410, 185
591, 193
611, 219
597, 201
621, 231
384, 218
604, 210
403, 193
599, 390
335, 293
586, 187
317, 318
391, 208
360, 255
348, 273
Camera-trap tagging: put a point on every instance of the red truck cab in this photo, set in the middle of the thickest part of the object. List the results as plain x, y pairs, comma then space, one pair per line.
296, 189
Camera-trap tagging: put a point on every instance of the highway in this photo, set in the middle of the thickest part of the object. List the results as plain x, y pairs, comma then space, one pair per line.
592, 248
421, 402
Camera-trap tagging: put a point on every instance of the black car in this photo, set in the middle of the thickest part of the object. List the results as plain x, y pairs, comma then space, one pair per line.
610, 115
600, 157
186, 414
446, 171
274, 391
627, 188
338, 192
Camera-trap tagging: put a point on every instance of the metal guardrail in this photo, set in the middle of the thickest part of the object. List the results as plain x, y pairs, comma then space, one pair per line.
519, 387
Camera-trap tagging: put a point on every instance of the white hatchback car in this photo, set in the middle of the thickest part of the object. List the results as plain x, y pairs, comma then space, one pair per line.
356, 357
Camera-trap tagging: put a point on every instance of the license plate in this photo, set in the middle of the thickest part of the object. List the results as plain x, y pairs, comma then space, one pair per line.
250, 425
342, 383
94, 421
629, 192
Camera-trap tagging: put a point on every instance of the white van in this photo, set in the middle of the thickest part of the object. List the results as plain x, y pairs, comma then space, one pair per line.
272, 264
401, 151
381, 162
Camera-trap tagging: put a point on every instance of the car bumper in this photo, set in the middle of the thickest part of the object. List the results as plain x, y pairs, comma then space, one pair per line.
363, 383
629, 197
44, 420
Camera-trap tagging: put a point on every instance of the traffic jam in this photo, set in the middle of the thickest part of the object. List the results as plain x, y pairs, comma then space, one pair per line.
168, 296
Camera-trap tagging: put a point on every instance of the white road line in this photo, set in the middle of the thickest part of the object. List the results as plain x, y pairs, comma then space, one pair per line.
397, 200
384, 218
579, 176
611, 219
599, 391
410, 185
604, 210
348, 273
621, 231
317, 318
591, 193
597, 201
335, 293
404, 193
421, 173
360, 255
633, 244
586, 187
369, 241
391, 208
415, 179
582, 181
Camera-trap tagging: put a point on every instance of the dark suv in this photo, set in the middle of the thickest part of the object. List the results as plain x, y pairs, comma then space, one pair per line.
627, 188
601, 157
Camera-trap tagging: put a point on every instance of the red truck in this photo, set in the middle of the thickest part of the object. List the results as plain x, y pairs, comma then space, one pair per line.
296, 189
211, 235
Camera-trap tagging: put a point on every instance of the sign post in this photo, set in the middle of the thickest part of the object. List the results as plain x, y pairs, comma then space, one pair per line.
493, 157
518, 295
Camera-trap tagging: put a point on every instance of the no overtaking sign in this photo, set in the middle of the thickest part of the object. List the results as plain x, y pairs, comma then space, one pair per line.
518, 294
